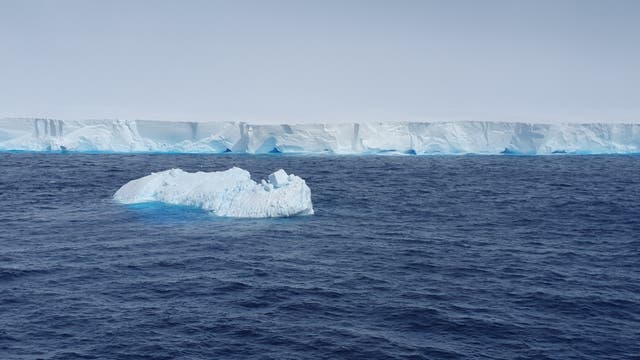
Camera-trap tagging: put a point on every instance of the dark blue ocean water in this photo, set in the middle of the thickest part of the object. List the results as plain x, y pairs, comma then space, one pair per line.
406, 258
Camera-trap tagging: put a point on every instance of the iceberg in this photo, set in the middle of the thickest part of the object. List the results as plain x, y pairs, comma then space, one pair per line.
230, 193
415, 138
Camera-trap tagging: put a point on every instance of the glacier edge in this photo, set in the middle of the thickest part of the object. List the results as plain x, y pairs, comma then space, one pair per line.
470, 137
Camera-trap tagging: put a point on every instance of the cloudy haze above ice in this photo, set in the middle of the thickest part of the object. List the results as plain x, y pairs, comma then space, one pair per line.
321, 61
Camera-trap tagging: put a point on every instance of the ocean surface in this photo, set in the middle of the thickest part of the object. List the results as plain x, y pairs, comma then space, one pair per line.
407, 257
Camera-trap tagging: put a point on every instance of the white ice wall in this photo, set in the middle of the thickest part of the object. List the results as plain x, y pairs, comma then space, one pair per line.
353, 138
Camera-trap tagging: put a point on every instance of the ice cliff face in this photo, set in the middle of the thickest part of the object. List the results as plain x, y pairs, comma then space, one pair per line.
229, 193
353, 138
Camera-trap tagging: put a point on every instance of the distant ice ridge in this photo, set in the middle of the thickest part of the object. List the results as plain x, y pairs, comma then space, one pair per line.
229, 193
350, 138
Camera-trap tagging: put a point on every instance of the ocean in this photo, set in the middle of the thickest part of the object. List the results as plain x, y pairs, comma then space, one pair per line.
406, 257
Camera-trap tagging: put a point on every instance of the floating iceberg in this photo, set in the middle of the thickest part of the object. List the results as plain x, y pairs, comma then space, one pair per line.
229, 193
351, 138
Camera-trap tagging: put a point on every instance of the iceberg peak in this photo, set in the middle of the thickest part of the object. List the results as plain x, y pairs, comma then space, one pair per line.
279, 178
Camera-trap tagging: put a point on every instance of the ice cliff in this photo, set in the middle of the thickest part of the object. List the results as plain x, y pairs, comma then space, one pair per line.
348, 138
229, 193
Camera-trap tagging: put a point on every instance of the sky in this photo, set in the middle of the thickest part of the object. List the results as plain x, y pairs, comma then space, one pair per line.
285, 61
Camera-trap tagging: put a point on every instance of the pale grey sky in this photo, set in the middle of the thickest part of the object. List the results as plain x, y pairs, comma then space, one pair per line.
321, 61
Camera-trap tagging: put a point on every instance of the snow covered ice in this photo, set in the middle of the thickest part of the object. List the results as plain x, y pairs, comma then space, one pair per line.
230, 193
468, 137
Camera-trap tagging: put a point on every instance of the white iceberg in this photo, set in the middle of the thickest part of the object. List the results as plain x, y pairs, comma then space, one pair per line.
414, 138
230, 193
